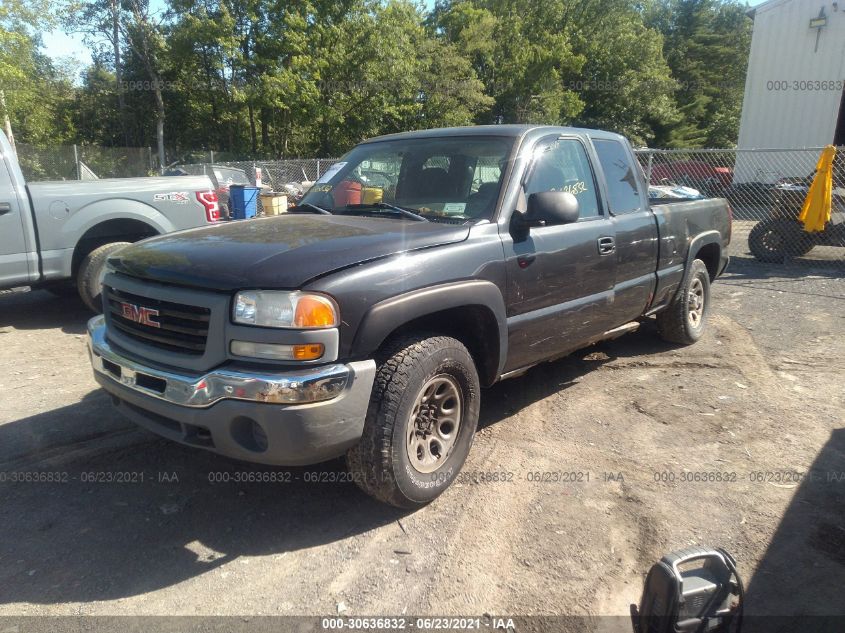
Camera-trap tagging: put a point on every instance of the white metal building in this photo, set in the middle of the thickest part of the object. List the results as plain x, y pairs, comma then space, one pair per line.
795, 85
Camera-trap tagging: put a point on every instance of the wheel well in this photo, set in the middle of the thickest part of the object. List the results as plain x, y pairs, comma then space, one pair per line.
709, 254
474, 326
120, 230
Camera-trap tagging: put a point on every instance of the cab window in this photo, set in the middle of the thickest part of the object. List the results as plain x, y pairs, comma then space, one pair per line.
563, 165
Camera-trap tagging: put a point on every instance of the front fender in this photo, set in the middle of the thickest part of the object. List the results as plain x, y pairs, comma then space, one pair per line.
386, 316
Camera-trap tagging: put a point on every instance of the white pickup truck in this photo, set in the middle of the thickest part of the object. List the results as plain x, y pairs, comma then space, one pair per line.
56, 235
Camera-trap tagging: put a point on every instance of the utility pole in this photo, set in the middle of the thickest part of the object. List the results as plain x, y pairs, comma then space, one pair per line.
118, 71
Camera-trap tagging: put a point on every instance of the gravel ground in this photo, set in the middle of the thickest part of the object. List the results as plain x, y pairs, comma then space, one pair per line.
583, 473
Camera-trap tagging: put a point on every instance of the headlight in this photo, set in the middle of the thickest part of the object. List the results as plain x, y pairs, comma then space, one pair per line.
273, 308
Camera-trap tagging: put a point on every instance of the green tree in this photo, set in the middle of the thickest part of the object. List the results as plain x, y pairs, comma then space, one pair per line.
100, 20
133, 25
30, 85
383, 74
586, 62
144, 37
276, 78
520, 53
202, 54
707, 44
96, 112
625, 83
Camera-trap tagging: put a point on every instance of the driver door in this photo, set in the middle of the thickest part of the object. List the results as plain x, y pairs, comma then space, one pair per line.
560, 277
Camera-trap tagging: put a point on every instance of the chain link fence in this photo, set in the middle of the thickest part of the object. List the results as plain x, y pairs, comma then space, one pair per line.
85, 162
766, 189
274, 173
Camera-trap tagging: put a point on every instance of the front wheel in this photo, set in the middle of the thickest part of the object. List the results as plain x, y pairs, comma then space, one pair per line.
421, 421
89, 279
683, 320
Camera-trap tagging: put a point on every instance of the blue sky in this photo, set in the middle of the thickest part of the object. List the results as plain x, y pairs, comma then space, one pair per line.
59, 44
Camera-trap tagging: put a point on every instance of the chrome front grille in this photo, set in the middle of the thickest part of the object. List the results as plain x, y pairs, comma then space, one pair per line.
175, 327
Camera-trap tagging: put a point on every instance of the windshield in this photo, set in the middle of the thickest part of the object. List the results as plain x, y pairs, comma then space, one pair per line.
448, 178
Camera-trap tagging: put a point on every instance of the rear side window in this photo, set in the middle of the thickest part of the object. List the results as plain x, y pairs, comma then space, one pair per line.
622, 192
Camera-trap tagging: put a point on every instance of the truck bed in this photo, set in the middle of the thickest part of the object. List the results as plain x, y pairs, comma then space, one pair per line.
678, 222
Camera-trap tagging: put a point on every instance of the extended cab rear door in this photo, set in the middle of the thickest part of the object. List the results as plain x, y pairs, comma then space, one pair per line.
634, 227
560, 277
18, 256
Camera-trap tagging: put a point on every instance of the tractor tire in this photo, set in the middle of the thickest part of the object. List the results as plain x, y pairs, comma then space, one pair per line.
773, 241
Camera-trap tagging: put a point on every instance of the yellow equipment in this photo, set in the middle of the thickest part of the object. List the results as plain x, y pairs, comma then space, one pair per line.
815, 213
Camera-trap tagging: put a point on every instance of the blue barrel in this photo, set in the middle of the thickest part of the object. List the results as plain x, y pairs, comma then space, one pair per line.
243, 201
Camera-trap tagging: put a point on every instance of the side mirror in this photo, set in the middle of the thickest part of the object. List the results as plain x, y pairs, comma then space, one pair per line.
552, 207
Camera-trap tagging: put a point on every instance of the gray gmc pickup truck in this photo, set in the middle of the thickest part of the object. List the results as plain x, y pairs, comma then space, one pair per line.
365, 322
57, 235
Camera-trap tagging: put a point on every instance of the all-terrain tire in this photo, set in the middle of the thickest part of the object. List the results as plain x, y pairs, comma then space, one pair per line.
771, 241
684, 319
89, 278
381, 463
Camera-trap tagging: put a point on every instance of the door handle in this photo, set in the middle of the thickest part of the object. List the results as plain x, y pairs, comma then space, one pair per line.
606, 245
5, 207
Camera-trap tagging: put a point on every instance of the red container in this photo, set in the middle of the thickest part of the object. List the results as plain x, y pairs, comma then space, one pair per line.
347, 192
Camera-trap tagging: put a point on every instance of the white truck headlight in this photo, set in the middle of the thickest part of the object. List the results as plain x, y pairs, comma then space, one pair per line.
282, 309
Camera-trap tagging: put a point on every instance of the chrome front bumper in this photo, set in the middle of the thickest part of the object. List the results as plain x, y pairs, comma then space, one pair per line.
301, 386
288, 418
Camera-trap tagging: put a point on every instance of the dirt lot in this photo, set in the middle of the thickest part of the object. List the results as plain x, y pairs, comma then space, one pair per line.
647, 431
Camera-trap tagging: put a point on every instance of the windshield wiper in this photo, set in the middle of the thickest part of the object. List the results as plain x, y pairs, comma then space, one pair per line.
390, 207
311, 207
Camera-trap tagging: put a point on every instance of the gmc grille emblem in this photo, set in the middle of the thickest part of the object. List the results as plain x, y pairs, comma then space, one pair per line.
139, 314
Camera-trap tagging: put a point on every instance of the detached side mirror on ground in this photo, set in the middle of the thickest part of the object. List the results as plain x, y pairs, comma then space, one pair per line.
552, 207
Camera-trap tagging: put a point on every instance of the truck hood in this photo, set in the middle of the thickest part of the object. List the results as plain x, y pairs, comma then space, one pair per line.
278, 252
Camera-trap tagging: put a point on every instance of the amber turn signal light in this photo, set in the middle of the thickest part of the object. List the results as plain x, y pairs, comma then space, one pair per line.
314, 311
308, 352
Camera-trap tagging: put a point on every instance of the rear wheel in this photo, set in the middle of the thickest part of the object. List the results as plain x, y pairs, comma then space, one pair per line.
89, 279
421, 421
683, 321
772, 241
